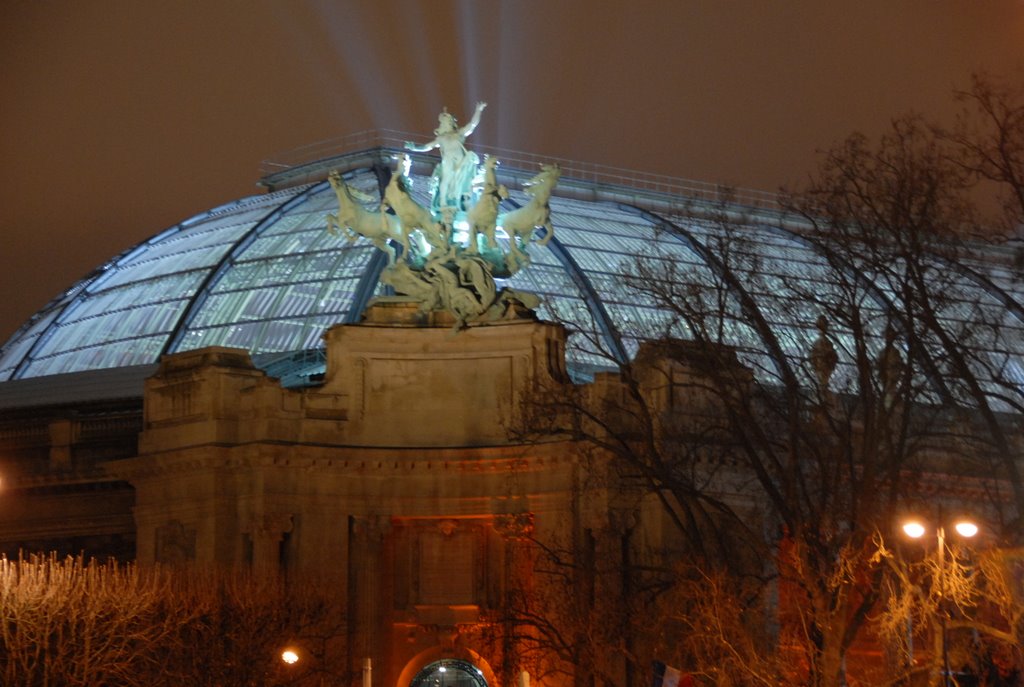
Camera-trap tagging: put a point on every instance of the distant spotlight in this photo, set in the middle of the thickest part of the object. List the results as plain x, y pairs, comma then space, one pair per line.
442, 669
289, 656
914, 529
966, 529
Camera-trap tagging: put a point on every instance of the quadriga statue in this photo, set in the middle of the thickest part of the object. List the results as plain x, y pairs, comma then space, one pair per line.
443, 263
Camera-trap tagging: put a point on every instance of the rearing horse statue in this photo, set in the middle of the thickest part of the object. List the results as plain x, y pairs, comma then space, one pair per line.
411, 214
354, 220
520, 223
484, 213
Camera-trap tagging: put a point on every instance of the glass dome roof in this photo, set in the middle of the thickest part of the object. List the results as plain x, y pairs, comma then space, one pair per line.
263, 274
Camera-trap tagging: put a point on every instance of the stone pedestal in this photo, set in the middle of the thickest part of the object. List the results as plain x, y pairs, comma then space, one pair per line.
412, 385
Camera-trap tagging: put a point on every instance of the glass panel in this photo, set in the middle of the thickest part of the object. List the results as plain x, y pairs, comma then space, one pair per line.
20, 344
124, 324
119, 354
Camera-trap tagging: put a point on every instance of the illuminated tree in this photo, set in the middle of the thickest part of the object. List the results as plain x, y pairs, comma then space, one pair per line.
71, 623
965, 605
68, 622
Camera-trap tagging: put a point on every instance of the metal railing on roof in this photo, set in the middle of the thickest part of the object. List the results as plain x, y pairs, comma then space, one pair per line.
307, 156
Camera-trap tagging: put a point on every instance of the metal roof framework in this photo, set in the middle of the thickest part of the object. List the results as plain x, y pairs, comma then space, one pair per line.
261, 273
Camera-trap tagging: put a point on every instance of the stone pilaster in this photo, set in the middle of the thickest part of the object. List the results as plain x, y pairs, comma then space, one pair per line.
369, 535
266, 532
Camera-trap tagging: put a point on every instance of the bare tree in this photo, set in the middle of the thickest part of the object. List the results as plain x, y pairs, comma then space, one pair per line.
788, 403
69, 622
968, 607
72, 623
241, 623
989, 137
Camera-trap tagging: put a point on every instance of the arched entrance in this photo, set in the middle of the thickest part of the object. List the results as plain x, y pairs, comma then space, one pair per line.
449, 672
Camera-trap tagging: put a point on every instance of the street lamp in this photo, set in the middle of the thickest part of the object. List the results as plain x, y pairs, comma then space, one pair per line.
916, 529
292, 655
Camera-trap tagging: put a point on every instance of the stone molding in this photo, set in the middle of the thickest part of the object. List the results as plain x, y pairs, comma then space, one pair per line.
514, 526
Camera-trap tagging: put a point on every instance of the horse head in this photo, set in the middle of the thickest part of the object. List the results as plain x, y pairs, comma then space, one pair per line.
341, 189
546, 175
544, 181
550, 173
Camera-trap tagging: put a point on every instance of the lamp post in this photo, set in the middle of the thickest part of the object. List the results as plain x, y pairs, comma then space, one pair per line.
916, 529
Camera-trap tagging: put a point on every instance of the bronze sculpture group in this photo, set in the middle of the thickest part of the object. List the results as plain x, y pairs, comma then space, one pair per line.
447, 256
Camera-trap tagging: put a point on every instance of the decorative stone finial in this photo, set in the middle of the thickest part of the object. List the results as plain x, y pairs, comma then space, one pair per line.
891, 367
823, 355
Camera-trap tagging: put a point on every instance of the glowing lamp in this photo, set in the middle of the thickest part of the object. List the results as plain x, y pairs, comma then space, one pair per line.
289, 656
914, 529
966, 528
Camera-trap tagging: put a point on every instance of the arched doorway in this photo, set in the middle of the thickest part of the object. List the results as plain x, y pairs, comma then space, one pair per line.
449, 672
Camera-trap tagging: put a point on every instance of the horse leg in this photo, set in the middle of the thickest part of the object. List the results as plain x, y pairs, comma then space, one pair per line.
549, 231
514, 259
403, 238
332, 225
382, 244
514, 250
488, 228
526, 236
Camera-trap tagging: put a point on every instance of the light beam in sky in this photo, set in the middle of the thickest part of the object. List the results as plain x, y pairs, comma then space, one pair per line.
478, 52
361, 52
469, 51
417, 55
347, 103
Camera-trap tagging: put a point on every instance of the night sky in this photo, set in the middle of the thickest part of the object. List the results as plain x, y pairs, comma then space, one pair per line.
119, 119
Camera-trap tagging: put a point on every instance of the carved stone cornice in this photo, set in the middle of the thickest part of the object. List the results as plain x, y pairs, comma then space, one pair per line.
514, 526
274, 524
372, 526
447, 526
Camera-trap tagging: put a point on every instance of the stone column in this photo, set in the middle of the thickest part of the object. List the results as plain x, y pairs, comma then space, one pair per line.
266, 532
367, 571
516, 530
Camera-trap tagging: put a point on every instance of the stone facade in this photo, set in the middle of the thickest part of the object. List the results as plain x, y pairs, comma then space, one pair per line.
410, 479
55, 495
398, 478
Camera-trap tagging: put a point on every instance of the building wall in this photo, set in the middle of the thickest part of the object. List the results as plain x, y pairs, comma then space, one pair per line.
55, 495
399, 479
